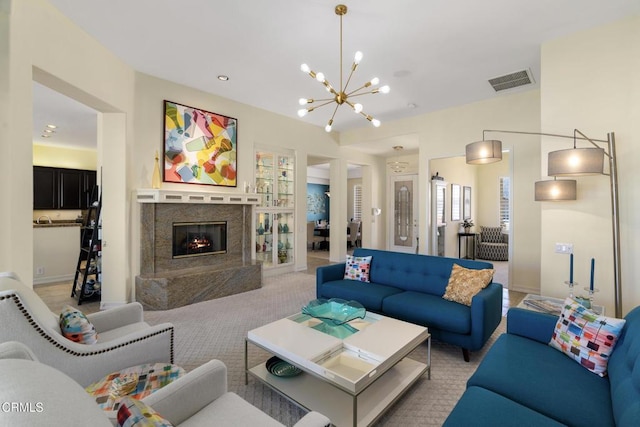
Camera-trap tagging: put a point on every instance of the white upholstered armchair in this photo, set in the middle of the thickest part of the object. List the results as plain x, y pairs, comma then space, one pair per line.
124, 339
200, 398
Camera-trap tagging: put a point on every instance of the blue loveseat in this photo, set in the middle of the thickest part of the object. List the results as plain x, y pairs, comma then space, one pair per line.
522, 381
410, 287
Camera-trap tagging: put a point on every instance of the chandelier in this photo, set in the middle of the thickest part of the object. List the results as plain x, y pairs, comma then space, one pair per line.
341, 96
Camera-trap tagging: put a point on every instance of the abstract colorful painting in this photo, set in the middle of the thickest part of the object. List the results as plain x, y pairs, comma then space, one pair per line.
200, 147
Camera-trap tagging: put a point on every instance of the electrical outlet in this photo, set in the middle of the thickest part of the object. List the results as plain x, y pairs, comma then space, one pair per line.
39, 271
564, 248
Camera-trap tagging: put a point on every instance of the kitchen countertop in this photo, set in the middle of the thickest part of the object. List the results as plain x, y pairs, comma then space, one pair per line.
57, 223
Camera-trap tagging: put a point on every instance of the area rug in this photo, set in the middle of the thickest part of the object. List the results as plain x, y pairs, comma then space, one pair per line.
216, 330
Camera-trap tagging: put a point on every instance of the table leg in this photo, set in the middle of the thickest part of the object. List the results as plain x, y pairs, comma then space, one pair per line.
246, 363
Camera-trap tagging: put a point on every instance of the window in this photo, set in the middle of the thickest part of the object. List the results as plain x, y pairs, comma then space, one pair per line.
505, 196
357, 202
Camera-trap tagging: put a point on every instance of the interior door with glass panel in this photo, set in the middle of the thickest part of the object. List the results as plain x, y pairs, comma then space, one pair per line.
438, 217
403, 227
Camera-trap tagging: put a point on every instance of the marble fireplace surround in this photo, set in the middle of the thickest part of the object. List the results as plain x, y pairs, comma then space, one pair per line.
164, 282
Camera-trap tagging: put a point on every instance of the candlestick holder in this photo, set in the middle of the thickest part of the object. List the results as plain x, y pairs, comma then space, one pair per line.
591, 292
571, 285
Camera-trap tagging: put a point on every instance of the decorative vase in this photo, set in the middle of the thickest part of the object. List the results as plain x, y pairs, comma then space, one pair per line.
156, 181
260, 229
285, 228
288, 244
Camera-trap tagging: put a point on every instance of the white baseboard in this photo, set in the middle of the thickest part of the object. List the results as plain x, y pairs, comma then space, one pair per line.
52, 279
106, 305
524, 289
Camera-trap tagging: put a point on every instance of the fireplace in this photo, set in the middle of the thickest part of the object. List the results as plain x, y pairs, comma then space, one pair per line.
214, 240
199, 238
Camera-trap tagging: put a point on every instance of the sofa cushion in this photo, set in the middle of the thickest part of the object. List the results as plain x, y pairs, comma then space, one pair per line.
585, 336
464, 283
230, 410
429, 310
357, 268
370, 295
524, 370
133, 413
482, 407
75, 326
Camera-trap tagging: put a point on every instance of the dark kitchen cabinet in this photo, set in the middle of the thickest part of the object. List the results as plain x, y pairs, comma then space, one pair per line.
45, 188
71, 186
58, 188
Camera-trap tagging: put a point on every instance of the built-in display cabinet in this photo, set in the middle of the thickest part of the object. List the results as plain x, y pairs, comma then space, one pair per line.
274, 227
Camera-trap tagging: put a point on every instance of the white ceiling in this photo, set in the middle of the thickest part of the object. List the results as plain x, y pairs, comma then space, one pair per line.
434, 54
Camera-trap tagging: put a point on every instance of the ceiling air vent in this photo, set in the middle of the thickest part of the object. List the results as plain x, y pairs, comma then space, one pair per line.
509, 81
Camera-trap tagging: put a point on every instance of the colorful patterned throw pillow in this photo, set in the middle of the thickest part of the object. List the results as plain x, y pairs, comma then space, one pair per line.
357, 268
585, 336
464, 283
134, 413
75, 326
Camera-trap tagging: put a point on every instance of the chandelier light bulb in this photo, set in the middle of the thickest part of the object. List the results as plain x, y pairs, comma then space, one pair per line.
385, 89
375, 81
305, 68
357, 58
320, 77
303, 101
327, 128
357, 108
375, 122
302, 112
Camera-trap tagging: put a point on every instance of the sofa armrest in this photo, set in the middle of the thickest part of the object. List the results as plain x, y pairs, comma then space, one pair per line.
328, 273
531, 324
486, 314
182, 398
16, 350
313, 419
116, 317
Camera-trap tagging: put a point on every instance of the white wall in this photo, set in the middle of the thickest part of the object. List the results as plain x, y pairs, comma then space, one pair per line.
591, 81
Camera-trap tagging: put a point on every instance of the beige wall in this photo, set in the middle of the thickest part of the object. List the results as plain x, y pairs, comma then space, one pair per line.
591, 81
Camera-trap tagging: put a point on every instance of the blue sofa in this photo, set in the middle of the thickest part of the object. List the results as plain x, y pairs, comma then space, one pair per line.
409, 287
522, 381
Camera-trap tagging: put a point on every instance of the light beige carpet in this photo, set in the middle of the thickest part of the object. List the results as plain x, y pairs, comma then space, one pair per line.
216, 330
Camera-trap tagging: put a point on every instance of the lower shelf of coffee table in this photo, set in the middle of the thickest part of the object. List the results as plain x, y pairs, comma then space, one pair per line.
313, 393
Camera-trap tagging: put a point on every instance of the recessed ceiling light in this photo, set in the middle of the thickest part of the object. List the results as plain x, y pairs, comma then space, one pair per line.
45, 136
52, 126
49, 131
223, 78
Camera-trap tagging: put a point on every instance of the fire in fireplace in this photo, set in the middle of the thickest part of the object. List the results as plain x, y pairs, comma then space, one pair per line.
199, 238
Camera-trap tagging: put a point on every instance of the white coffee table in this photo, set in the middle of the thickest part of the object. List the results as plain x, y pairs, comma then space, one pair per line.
354, 380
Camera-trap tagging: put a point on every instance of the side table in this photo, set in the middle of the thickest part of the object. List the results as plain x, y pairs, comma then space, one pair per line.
550, 305
465, 237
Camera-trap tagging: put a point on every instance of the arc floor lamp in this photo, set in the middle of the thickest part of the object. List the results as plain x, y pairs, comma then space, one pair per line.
562, 163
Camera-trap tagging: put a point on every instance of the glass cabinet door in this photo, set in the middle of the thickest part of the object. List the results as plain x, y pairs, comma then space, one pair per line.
284, 191
285, 237
265, 178
264, 238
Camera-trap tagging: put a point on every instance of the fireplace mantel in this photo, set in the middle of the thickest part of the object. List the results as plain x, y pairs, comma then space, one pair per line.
148, 195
